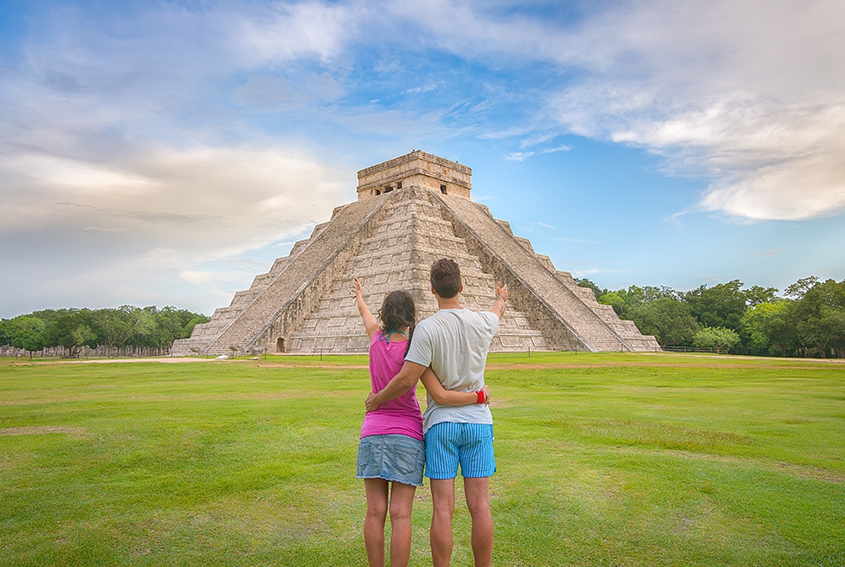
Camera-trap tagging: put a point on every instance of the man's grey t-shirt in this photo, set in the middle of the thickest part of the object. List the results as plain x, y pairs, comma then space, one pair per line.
454, 342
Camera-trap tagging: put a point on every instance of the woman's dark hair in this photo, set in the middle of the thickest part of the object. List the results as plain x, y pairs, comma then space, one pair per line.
397, 311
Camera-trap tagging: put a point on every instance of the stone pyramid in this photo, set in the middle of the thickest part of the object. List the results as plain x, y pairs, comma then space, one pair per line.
410, 211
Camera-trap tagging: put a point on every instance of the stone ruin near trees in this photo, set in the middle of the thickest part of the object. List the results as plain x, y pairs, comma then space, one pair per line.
410, 211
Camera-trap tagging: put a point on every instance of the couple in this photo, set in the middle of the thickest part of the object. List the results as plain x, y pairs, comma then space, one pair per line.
448, 352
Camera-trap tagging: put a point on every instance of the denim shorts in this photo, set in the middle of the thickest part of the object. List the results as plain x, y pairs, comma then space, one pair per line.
449, 444
397, 458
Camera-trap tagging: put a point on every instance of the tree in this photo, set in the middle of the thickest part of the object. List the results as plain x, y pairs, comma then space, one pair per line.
819, 316
113, 326
71, 329
614, 300
722, 305
28, 333
755, 295
143, 326
668, 319
83, 335
192, 322
768, 326
799, 288
719, 338
624, 301
6, 332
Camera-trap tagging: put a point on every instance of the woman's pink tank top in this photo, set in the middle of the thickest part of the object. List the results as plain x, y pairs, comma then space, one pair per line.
400, 416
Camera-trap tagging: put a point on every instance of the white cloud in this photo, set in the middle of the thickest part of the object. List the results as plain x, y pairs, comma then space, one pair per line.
281, 32
81, 177
215, 200
519, 156
746, 93
522, 156
741, 92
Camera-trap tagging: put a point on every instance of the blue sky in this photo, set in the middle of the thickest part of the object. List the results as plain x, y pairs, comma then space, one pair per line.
166, 152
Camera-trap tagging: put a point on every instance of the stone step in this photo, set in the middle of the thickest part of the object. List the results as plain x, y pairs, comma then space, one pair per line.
523, 265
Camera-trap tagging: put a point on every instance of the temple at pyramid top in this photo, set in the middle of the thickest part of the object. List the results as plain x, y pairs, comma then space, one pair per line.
416, 169
411, 211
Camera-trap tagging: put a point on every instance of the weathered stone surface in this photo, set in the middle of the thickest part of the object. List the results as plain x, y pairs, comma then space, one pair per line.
389, 240
416, 169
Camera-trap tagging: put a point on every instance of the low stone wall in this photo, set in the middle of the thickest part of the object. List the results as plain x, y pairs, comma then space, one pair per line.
86, 352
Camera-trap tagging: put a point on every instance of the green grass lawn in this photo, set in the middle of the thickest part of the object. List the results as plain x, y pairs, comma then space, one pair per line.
604, 459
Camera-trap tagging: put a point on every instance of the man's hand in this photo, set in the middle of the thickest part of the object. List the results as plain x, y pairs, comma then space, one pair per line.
501, 291
486, 391
370, 403
501, 298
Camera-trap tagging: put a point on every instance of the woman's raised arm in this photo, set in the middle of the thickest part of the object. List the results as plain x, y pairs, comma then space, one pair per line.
370, 322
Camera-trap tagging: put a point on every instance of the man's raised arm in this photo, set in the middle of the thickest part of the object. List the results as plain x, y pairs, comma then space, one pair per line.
405, 380
501, 298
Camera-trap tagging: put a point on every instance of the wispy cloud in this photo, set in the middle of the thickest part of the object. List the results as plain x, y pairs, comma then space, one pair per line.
739, 92
521, 156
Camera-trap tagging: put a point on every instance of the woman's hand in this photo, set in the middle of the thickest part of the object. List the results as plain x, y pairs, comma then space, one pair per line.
357, 288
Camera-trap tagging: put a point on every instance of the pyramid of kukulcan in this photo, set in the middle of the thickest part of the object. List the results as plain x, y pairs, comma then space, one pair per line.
410, 211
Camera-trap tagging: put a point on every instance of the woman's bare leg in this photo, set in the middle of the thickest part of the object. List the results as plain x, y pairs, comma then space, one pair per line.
374, 521
401, 503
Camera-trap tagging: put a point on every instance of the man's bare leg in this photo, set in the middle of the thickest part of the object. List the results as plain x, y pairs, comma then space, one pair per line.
443, 501
478, 501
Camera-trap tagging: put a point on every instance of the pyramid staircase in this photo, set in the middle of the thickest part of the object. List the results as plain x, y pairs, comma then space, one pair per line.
304, 304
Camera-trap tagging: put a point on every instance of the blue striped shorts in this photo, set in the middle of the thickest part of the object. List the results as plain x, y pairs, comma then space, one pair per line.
469, 444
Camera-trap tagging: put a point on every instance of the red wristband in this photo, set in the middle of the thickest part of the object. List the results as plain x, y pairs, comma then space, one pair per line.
480, 397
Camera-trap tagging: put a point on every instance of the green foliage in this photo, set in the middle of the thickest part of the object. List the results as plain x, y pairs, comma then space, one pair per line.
121, 327
812, 323
819, 318
71, 329
769, 328
624, 301
755, 295
719, 306
613, 299
668, 319
27, 332
720, 338
799, 288
114, 326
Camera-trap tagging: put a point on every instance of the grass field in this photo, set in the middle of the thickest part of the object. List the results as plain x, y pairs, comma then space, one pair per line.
604, 459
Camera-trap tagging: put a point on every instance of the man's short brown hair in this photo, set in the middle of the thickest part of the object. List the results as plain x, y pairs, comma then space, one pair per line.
445, 278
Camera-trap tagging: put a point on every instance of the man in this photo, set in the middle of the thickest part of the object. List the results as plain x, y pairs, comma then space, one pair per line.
454, 343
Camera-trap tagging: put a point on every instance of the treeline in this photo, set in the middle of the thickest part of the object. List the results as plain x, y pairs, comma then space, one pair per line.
126, 326
808, 320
